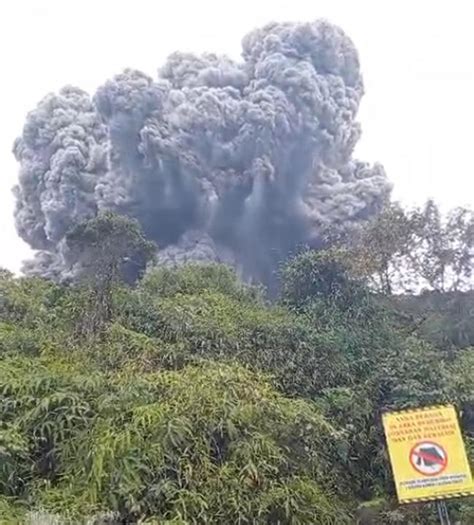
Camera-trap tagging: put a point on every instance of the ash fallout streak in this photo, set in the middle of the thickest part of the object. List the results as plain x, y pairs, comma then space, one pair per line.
240, 163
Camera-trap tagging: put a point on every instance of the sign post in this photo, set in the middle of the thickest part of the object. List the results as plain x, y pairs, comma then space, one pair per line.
443, 513
428, 457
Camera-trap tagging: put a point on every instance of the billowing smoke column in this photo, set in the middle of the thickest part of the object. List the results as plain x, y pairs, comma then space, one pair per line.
234, 162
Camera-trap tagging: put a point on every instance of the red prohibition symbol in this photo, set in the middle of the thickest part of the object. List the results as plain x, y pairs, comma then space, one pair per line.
428, 458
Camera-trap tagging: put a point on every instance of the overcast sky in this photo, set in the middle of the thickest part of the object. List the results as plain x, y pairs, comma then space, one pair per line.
417, 60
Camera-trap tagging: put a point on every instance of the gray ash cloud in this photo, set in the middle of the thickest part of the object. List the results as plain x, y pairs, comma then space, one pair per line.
239, 162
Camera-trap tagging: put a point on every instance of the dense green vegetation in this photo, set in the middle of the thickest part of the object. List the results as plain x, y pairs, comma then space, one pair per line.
191, 398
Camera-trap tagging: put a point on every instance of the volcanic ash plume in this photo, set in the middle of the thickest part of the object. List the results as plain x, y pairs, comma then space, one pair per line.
219, 161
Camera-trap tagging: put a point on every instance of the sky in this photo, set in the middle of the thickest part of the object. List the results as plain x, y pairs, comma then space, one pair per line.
417, 114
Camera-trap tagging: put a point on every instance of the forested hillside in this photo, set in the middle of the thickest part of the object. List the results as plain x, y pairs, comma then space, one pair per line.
187, 396
222, 298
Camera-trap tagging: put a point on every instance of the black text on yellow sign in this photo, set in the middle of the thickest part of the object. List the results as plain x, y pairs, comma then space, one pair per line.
427, 454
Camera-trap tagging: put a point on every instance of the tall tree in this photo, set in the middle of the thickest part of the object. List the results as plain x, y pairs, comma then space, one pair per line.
444, 251
110, 248
407, 250
380, 250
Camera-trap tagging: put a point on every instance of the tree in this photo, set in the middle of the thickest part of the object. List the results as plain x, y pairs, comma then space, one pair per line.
110, 248
380, 251
444, 248
322, 275
206, 444
406, 250
201, 402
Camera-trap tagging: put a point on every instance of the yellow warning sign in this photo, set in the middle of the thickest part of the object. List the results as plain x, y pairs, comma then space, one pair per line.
427, 454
